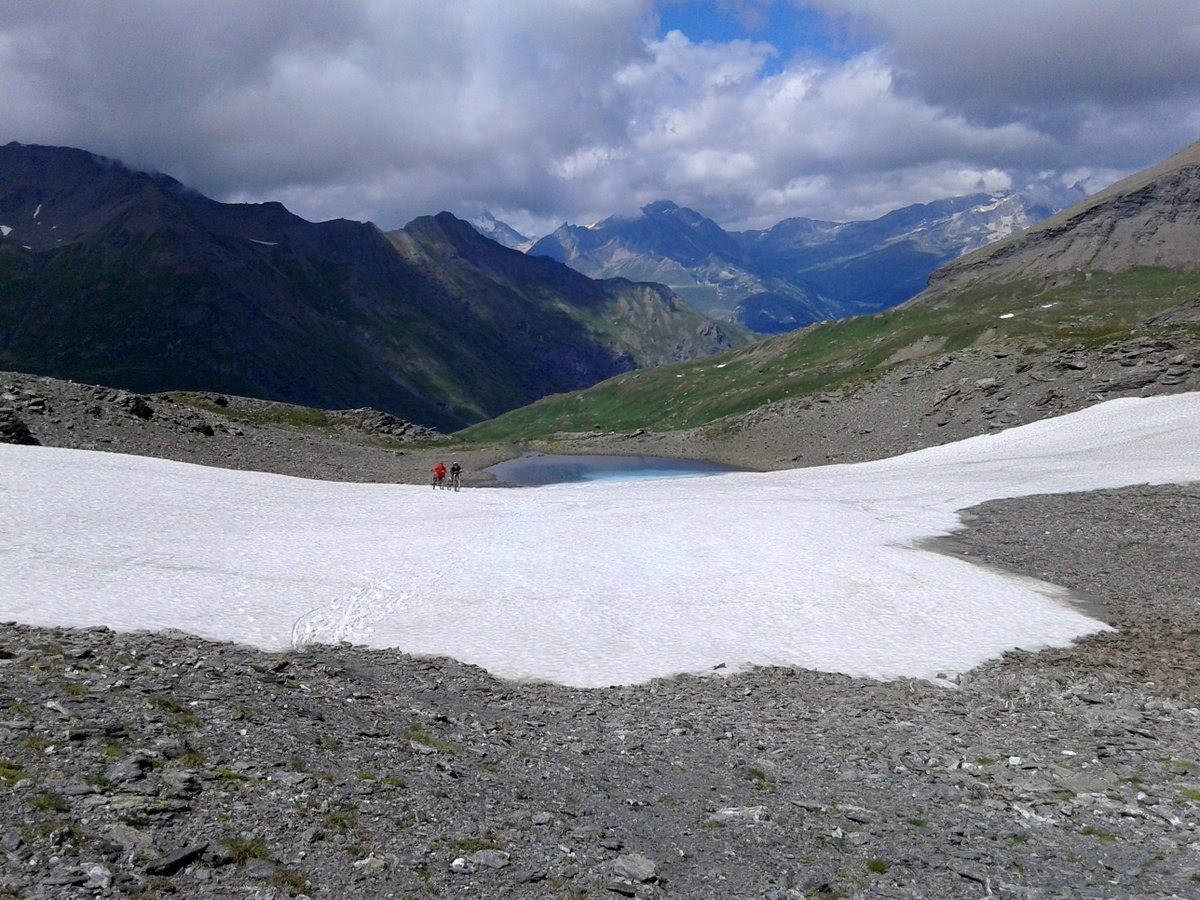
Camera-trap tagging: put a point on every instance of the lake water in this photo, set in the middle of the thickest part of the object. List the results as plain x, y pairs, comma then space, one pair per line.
538, 469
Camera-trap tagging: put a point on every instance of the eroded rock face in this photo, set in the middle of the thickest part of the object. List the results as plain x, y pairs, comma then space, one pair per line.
13, 429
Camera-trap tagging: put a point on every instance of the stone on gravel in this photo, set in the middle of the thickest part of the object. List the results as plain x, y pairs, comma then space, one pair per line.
176, 859
740, 814
259, 869
98, 877
493, 859
136, 404
131, 768
1132, 380
635, 867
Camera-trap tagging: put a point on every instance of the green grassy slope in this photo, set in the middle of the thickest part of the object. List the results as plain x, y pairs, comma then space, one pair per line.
1087, 309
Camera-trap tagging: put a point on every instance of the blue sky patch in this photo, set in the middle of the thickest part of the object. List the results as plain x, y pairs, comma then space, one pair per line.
790, 28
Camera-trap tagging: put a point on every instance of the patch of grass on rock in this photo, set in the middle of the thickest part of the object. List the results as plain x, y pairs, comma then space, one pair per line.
758, 776
49, 802
243, 851
340, 819
36, 743
10, 773
417, 734
877, 866
292, 882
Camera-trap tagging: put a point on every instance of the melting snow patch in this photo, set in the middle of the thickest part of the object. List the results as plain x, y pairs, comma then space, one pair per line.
720, 365
37, 211
1007, 315
1048, 305
582, 584
266, 243
5, 230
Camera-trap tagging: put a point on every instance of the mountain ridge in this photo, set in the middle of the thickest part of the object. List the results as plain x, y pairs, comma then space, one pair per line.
1105, 231
799, 271
122, 277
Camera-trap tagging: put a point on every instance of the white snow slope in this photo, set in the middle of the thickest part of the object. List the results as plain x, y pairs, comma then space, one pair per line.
587, 584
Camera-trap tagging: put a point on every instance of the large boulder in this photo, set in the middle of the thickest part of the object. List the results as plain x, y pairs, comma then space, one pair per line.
13, 429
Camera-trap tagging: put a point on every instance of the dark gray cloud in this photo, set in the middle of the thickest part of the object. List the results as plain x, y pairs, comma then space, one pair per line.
547, 110
386, 107
1066, 67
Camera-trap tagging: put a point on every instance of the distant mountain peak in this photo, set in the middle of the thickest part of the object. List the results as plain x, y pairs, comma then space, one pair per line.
501, 232
658, 207
800, 270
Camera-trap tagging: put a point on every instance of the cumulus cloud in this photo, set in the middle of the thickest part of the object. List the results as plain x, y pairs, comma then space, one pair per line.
722, 136
546, 110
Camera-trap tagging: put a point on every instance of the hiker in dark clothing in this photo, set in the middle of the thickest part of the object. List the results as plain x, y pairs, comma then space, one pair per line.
455, 476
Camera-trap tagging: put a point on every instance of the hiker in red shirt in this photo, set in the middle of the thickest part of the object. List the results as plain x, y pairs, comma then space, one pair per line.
439, 475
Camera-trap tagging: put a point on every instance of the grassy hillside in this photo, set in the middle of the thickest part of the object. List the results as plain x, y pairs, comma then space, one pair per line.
1093, 309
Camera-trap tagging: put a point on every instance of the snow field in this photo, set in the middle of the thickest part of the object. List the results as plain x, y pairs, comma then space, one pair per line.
582, 584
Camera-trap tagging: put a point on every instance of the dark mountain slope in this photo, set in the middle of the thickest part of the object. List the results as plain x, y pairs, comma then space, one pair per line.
130, 279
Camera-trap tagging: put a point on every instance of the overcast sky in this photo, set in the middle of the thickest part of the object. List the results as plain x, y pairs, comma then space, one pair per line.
550, 110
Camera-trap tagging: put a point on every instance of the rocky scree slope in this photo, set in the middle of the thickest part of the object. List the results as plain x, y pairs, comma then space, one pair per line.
920, 404
132, 280
1149, 219
362, 445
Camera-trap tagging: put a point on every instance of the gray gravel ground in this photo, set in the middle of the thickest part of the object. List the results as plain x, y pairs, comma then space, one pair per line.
235, 432
146, 765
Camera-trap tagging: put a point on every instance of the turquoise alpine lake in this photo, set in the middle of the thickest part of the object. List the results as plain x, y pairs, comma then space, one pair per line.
535, 469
